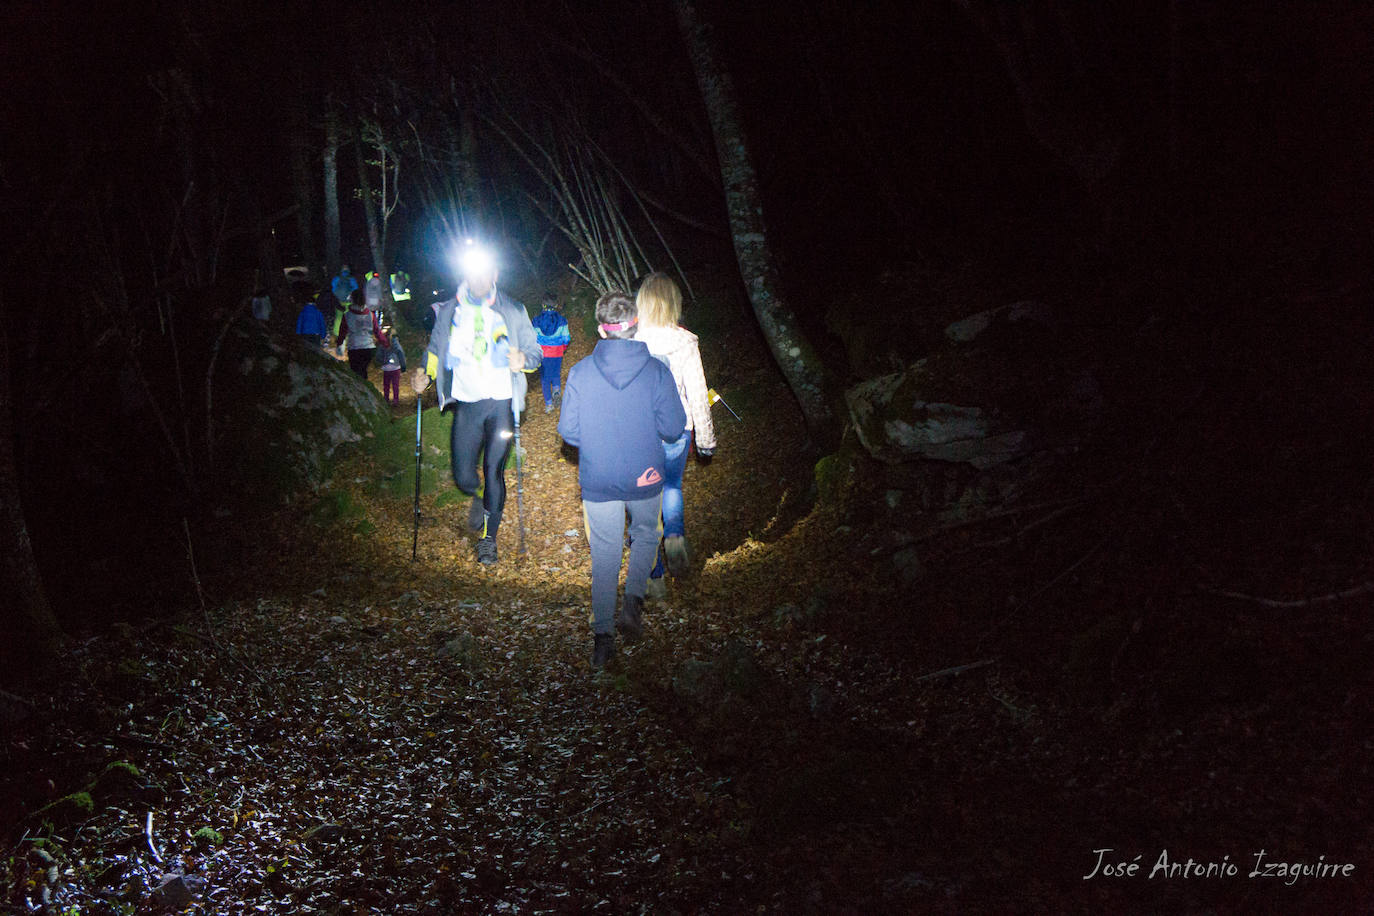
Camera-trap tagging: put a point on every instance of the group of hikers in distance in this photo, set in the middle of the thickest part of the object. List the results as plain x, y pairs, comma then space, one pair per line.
634, 409
358, 329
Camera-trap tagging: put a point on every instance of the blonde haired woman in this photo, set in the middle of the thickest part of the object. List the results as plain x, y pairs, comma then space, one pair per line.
659, 303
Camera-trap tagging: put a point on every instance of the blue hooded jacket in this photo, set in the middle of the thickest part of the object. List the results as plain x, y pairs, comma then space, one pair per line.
344, 285
620, 405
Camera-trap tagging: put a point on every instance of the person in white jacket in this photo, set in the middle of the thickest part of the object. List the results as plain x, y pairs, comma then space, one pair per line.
659, 302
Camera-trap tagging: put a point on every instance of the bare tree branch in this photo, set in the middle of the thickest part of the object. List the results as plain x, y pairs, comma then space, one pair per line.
1355, 591
692, 151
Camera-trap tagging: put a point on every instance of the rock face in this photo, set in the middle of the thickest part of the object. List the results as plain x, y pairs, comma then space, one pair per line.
1004, 386
284, 410
966, 330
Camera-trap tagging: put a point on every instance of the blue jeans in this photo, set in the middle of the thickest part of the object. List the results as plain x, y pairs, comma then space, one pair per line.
674, 465
550, 373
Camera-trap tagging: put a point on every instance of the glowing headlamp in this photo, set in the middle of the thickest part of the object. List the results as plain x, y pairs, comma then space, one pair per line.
476, 260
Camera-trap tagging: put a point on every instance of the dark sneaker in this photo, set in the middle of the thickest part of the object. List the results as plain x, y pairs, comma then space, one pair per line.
630, 623
603, 647
477, 513
486, 551
675, 551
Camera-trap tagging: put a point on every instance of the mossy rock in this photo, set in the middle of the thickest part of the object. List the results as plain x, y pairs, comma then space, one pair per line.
834, 475
285, 413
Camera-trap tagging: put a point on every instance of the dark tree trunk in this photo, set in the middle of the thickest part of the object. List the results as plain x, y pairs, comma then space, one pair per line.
470, 181
271, 275
374, 233
302, 177
800, 364
333, 256
29, 618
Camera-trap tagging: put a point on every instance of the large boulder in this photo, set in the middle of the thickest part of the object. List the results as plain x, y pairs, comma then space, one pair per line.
284, 411
1025, 314
1008, 383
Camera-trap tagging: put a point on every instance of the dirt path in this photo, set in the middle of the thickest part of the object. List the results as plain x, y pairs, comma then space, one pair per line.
356, 733
376, 735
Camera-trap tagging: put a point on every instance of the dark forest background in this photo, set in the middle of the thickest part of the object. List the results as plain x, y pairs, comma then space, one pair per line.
1199, 167
896, 681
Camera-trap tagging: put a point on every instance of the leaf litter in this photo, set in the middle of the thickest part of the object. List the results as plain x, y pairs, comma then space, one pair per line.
378, 736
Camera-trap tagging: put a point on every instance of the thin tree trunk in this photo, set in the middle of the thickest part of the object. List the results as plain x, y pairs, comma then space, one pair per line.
301, 172
333, 255
800, 364
374, 235
29, 620
270, 265
469, 179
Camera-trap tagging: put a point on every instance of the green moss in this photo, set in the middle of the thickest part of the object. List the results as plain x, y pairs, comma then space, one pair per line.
336, 506
450, 496
402, 484
123, 767
81, 801
208, 836
833, 474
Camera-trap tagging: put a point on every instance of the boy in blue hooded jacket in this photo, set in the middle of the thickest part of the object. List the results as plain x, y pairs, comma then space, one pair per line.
619, 406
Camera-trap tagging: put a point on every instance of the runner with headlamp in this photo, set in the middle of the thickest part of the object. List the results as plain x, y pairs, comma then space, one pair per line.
479, 352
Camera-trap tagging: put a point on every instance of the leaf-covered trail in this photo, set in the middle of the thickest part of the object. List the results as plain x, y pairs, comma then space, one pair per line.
475, 751
347, 731
377, 735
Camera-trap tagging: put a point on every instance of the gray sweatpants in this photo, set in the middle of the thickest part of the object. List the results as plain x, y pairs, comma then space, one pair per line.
606, 535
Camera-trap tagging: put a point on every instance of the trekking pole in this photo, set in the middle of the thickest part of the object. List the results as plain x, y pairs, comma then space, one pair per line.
519, 483
714, 398
415, 538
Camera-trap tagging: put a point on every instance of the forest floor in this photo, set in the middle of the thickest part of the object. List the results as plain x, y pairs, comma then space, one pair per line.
803, 730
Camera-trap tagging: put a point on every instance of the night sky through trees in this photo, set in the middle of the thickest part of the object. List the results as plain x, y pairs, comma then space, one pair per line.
1113, 608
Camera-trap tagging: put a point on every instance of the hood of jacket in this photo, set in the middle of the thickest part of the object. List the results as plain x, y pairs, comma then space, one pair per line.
666, 341
619, 361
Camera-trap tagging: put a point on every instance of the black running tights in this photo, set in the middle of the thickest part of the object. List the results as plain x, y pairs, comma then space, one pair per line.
483, 429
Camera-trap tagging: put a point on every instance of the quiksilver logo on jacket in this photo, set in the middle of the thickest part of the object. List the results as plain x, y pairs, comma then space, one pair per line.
650, 477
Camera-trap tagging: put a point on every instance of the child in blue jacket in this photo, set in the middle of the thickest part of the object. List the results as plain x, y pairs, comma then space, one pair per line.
619, 407
310, 323
551, 331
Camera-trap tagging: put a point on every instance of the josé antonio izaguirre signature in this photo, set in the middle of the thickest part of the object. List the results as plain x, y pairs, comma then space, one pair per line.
1108, 864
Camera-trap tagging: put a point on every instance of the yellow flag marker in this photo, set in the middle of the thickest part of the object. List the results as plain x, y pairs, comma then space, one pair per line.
713, 397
